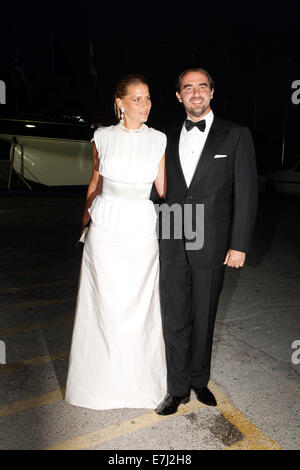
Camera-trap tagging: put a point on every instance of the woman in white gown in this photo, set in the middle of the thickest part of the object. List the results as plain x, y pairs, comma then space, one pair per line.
117, 357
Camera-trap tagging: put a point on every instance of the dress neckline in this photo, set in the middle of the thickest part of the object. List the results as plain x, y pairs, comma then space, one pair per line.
133, 131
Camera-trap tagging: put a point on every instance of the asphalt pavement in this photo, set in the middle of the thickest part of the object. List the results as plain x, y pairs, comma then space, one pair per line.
256, 352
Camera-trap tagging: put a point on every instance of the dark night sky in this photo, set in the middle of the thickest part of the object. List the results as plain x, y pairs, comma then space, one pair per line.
251, 51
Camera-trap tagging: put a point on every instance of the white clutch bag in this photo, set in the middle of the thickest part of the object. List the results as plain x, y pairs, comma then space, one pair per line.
82, 238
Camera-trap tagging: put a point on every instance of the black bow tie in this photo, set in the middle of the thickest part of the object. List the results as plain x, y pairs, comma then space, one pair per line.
200, 124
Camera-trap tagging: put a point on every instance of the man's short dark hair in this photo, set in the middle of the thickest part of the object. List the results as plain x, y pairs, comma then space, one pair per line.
195, 69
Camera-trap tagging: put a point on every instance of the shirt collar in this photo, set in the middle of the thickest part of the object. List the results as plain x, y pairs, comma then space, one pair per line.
208, 118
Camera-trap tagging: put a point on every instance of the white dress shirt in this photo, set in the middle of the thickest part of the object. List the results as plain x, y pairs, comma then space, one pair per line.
191, 144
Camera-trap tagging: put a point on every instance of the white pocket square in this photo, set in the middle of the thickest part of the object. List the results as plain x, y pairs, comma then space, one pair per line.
220, 156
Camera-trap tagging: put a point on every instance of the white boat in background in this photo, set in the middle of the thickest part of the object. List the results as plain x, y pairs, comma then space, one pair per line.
49, 153
51, 161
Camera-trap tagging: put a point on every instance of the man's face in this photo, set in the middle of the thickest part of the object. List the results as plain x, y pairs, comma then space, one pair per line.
195, 94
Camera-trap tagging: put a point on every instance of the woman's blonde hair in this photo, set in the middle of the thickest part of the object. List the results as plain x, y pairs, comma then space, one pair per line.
122, 88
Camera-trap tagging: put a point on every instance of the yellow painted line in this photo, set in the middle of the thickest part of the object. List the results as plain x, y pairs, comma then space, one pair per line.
121, 429
32, 402
254, 438
18, 273
36, 326
13, 261
33, 361
36, 303
14, 290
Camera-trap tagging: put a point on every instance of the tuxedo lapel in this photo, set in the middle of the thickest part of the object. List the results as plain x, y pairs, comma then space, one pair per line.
214, 139
175, 152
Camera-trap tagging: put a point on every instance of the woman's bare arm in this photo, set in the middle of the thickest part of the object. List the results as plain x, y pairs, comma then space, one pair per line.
161, 180
95, 187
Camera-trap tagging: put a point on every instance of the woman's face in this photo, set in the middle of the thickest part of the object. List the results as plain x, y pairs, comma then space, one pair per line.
136, 105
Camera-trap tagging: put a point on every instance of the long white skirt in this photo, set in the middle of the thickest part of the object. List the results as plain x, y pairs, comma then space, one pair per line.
117, 357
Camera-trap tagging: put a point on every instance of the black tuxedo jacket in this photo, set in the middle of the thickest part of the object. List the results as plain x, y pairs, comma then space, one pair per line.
226, 186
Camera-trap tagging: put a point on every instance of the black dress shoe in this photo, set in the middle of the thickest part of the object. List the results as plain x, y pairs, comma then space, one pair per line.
170, 404
205, 396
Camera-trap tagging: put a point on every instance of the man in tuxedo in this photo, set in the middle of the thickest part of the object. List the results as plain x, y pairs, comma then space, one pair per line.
210, 162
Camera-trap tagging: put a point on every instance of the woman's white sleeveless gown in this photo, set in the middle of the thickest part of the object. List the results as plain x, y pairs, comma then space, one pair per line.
117, 357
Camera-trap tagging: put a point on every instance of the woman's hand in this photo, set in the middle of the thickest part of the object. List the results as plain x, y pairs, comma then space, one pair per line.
85, 221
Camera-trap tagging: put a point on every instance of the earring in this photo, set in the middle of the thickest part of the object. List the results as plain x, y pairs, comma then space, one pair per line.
122, 114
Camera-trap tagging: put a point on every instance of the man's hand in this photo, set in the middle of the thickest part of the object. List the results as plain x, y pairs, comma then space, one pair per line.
235, 259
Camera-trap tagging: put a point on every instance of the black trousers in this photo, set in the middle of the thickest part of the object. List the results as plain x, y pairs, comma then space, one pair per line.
189, 301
